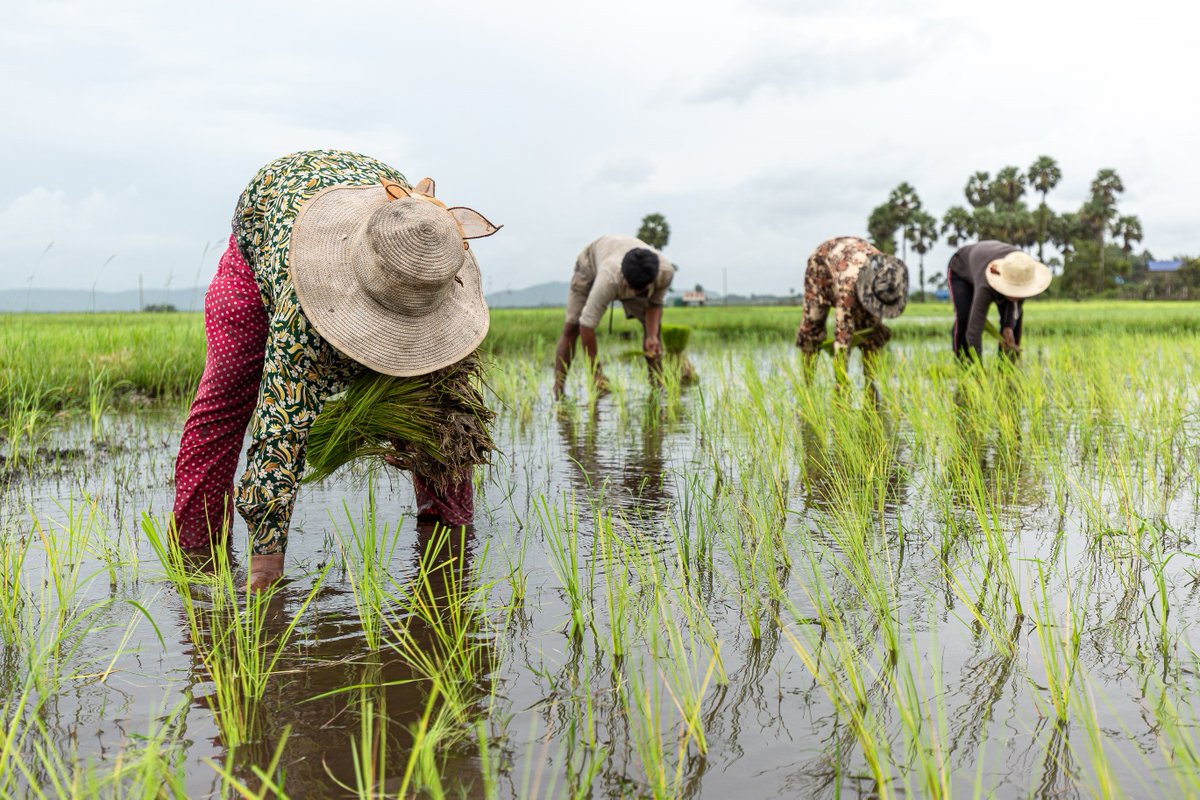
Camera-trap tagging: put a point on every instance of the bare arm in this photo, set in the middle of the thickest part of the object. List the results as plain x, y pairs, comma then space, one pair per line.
652, 342
984, 296
588, 337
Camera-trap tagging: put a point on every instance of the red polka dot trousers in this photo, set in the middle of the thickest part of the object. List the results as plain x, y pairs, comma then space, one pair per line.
235, 328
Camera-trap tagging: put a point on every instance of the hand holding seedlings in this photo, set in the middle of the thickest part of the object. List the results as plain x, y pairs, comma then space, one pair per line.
1007, 343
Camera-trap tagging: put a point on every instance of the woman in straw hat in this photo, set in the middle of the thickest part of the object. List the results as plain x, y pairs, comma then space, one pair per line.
334, 265
992, 272
864, 286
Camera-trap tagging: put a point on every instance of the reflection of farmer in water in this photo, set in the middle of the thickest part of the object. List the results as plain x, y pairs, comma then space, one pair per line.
992, 272
328, 272
613, 268
863, 286
322, 697
596, 458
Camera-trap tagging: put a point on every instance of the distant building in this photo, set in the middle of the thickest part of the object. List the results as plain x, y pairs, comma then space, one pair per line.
1164, 266
694, 299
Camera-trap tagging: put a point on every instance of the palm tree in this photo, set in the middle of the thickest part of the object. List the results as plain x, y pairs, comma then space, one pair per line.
1107, 186
1129, 230
958, 226
881, 225
905, 204
1099, 212
923, 234
1063, 230
978, 190
1044, 175
1007, 188
654, 231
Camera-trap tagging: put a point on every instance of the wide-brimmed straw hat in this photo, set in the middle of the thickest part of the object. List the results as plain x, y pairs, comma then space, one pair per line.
385, 276
1018, 275
882, 286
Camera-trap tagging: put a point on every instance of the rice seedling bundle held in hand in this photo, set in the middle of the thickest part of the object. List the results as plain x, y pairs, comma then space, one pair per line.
435, 425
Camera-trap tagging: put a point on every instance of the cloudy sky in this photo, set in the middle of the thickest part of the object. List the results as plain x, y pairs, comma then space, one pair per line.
758, 127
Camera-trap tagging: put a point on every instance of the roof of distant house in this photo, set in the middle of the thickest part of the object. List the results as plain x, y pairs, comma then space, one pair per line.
1164, 266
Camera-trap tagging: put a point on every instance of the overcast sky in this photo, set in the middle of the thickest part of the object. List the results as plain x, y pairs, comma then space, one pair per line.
758, 128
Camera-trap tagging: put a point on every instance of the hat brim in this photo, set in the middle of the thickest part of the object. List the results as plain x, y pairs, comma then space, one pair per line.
320, 264
1039, 284
867, 297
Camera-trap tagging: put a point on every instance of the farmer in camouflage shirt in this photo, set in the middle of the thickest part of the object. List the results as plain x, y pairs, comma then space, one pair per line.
863, 286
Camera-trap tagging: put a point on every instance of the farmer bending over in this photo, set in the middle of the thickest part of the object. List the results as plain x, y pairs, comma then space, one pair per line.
985, 273
864, 286
613, 268
334, 265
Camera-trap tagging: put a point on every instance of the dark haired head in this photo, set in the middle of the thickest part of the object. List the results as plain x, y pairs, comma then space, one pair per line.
640, 268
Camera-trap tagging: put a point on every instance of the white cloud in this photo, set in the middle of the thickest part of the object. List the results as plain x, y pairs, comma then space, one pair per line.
131, 128
625, 172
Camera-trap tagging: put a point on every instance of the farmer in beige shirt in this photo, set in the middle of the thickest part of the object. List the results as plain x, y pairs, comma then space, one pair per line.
613, 268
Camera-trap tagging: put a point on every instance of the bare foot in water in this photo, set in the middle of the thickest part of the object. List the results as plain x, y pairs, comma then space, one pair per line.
265, 570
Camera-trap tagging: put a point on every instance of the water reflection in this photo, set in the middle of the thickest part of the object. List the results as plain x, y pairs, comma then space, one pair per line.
332, 696
634, 478
835, 455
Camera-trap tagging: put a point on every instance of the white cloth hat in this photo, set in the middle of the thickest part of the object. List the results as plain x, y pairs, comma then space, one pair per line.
1018, 275
389, 283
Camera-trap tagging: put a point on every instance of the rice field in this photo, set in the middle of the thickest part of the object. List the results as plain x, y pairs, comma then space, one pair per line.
950, 582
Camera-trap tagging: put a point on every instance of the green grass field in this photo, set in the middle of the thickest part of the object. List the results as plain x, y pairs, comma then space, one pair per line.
70, 361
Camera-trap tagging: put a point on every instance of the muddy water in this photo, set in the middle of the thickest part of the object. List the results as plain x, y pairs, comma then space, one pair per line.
771, 730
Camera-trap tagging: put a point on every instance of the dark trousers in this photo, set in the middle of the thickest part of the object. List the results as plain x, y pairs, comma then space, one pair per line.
962, 295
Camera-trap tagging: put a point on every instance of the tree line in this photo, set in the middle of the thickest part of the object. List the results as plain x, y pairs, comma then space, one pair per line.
1092, 248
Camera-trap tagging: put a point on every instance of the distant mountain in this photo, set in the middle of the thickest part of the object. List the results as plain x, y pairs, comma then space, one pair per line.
49, 300
542, 295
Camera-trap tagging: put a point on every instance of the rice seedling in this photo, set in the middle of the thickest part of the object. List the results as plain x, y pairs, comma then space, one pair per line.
442, 635
434, 425
933, 580
235, 633
561, 529
367, 554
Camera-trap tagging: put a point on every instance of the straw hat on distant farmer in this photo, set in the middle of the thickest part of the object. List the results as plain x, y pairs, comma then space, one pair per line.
986, 273
1018, 275
882, 286
335, 264
863, 286
390, 282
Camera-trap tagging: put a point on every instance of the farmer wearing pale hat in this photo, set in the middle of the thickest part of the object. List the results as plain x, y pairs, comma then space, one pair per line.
864, 286
335, 265
990, 272
613, 268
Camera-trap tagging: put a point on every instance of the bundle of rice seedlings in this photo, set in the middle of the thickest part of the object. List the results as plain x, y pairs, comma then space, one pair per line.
675, 338
434, 425
856, 340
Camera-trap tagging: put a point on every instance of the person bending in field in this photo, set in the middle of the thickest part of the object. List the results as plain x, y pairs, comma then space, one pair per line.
864, 286
985, 273
613, 268
334, 266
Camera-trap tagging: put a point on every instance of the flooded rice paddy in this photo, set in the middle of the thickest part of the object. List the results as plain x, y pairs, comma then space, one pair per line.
948, 583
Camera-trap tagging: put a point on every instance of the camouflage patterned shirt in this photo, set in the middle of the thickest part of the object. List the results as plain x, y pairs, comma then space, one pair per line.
829, 282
